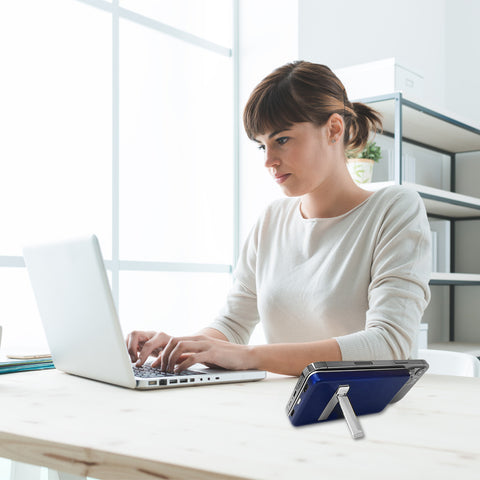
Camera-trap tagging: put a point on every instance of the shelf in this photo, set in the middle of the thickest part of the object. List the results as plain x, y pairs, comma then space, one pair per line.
427, 126
447, 204
439, 278
439, 202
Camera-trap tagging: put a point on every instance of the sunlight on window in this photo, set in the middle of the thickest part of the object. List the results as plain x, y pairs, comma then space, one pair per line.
19, 316
209, 19
176, 151
176, 167
176, 302
55, 169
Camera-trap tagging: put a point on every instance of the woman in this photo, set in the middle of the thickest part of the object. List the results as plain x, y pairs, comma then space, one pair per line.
333, 272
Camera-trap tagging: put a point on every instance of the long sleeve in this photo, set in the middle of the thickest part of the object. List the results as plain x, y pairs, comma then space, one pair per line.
398, 292
239, 315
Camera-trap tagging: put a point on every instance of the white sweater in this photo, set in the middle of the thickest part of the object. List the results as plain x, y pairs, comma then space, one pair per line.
361, 278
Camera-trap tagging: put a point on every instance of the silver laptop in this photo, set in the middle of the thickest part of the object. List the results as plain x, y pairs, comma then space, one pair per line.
81, 323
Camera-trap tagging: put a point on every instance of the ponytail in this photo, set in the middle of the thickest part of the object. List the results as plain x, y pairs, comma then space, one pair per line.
359, 124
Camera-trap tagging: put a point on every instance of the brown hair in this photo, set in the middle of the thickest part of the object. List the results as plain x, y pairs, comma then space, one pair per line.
307, 92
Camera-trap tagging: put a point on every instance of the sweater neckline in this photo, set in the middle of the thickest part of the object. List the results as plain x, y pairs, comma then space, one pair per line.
327, 219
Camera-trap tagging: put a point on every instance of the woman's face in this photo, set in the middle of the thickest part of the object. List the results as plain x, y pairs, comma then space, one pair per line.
301, 158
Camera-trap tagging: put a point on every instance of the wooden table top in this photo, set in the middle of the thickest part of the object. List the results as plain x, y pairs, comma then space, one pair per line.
233, 431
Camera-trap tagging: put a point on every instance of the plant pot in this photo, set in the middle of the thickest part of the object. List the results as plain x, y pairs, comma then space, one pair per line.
361, 169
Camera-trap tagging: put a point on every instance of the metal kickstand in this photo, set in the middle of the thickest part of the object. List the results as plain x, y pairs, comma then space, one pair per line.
340, 396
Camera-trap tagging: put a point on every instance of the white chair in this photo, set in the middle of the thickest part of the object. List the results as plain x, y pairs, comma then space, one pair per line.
444, 362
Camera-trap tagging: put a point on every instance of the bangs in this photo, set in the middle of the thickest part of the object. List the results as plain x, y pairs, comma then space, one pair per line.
272, 107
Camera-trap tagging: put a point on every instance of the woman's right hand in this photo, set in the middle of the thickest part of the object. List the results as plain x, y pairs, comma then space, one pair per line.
141, 345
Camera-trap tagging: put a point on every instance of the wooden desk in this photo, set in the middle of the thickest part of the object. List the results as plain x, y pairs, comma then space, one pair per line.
233, 431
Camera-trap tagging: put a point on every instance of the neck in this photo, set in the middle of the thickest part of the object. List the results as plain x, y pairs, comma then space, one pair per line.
333, 198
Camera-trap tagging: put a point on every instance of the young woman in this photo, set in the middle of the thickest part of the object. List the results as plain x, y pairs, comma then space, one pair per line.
333, 272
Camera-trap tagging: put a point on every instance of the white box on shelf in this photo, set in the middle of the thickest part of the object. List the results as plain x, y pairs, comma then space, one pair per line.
409, 163
380, 77
409, 166
423, 336
434, 252
442, 229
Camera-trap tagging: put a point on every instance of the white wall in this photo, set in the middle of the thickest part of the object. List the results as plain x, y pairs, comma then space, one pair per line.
438, 39
463, 58
349, 32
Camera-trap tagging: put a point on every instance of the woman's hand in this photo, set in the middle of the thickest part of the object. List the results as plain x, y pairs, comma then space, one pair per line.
141, 345
180, 353
175, 354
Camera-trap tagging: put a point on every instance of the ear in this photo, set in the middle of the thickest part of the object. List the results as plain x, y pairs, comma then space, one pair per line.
335, 128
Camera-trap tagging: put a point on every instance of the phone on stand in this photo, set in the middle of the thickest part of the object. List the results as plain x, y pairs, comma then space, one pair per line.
331, 390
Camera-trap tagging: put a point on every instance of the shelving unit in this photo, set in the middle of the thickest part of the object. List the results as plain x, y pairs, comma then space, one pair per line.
410, 122
441, 203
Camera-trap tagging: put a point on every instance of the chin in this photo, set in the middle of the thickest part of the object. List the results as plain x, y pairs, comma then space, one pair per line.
292, 193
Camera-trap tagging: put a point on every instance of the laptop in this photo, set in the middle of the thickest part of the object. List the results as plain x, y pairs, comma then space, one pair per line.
81, 323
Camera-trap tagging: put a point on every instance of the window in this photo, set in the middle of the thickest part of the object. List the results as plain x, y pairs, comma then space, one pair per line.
110, 125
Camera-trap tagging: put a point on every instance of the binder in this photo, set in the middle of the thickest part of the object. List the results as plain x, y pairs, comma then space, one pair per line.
25, 365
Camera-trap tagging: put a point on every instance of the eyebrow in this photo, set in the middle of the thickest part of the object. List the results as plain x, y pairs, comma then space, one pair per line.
276, 132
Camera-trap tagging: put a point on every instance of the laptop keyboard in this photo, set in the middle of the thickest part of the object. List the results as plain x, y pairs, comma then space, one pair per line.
147, 371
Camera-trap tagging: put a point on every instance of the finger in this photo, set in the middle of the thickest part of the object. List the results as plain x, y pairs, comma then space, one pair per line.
171, 345
155, 343
132, 345
185, 362
158, 362
183, 347
165, 355
193, 358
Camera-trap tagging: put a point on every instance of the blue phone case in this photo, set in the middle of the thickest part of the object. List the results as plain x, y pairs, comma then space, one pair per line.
370, 391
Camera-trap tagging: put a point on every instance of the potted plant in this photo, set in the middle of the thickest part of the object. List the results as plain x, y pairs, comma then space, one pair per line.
360, 164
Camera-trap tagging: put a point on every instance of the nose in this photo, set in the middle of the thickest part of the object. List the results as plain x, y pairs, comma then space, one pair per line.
271, 159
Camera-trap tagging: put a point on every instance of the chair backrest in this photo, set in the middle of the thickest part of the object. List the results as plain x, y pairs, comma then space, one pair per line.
444, 362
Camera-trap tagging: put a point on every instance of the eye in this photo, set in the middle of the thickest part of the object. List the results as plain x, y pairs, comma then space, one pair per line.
282, 140
261, 147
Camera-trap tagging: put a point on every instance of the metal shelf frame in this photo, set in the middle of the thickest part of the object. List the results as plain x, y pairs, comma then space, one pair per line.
398, 178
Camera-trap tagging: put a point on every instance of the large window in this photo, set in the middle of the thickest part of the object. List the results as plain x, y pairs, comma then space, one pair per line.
118, 118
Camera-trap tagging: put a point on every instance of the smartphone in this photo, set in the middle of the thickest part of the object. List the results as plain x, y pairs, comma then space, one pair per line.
369, 385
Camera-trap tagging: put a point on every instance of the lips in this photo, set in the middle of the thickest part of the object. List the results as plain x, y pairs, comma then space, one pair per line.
281, 178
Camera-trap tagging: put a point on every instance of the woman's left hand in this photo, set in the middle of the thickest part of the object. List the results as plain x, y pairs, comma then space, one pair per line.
181, 353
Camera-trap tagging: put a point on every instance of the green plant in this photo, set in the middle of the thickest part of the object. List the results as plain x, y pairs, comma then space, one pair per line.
371, 151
